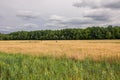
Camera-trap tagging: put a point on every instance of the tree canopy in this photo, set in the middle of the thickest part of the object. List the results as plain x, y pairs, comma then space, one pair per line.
90, 33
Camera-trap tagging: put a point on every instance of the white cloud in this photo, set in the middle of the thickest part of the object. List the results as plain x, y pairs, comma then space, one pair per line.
28, 25
57, 18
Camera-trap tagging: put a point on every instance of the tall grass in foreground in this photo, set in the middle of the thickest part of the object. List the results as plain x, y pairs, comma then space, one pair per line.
23, 67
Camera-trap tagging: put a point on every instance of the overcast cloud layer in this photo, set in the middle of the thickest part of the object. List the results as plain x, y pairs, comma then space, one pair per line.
16, 15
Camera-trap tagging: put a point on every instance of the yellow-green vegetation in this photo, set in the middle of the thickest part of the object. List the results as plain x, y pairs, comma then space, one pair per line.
60, 60
76, 49
24, 67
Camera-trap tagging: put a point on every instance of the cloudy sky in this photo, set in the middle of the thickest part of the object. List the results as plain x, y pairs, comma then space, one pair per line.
16, 15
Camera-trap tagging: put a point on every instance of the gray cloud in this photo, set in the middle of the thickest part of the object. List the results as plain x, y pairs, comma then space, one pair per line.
111, 4
26, 27
77, 4
27, 15
85, 4
99, 15
95, 17
61, 21
6, 29
88, 3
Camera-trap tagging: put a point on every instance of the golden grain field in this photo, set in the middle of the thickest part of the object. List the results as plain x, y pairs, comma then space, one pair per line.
76, 49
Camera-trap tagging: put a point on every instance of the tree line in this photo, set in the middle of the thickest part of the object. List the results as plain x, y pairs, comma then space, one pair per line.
90, 33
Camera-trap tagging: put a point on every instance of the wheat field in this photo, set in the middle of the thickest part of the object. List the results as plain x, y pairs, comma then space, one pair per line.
60, 60
75, 49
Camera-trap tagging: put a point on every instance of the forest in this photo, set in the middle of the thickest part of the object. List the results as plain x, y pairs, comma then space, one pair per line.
90, 33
